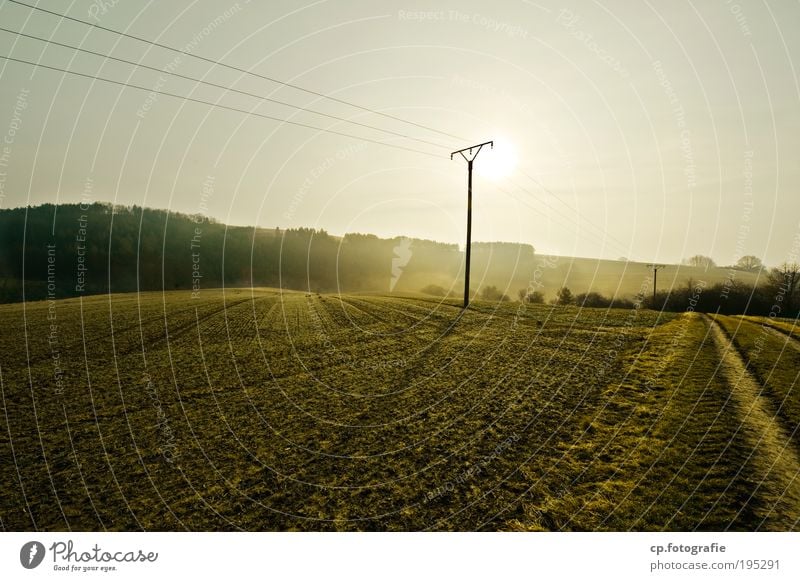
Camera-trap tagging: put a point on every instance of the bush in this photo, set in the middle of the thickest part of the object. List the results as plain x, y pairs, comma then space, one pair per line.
492, 293
564, 296
592, 300
534, 297
434, 290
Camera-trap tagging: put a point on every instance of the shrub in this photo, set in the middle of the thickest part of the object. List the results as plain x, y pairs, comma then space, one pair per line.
526, 296
564, 296
492, 293
434, 290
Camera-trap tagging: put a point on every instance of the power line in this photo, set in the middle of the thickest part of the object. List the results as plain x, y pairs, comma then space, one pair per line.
321, 129
558, 198
599, 230
602, 231
239, 69
600, 235
130, 85
300, 88
245, 111
254, 95
541, 185
523, 201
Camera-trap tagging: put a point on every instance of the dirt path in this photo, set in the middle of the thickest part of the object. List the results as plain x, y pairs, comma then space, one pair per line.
775, 462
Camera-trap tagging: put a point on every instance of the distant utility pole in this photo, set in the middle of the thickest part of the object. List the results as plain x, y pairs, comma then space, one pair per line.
469, 160
655, 268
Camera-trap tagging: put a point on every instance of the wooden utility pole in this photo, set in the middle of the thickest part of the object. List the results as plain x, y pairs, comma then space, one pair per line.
469, 160
655, 268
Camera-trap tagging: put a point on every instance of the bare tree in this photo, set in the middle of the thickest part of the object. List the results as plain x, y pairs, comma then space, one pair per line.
749, 262
700, 261
784, 284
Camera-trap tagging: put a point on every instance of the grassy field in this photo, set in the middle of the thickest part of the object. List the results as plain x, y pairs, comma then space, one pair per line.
261, 410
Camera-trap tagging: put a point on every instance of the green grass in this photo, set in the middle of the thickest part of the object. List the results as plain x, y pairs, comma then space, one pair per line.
775, 360
261, 410
665, 451
787, 326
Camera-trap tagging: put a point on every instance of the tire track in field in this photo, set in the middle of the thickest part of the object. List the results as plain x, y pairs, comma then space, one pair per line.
345, 358
302, 354
383, 306
371, 319
767, 379
780, 333
431, 308
442, 326
407, 348
360, 305
774, 458
78, 343
369, 330
777, 324
266, 323
305, 480
183, 328
351, 434
305, 477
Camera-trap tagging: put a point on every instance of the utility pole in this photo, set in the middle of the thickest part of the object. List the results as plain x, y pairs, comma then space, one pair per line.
469, 160
655, 268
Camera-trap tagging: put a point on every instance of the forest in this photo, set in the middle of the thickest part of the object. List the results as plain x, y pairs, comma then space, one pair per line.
73, 249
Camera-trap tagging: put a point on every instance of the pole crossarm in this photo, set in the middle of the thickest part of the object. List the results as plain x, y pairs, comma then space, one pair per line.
476, 147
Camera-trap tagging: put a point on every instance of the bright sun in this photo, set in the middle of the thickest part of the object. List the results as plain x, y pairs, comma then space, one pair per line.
497, 163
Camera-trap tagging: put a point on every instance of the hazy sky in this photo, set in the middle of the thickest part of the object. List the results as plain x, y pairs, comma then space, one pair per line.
641, 129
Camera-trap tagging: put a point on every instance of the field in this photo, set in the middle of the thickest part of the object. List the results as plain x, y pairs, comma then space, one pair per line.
254, 409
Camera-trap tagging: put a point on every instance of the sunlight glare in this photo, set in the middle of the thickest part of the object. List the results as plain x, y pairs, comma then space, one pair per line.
497, 163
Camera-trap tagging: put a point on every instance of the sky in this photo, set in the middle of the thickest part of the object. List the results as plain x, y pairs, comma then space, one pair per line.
643, 130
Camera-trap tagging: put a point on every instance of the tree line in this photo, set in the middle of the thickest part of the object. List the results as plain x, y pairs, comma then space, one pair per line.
75, 249
777, 296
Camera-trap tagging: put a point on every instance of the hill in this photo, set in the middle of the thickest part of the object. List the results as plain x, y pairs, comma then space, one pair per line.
73, 250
